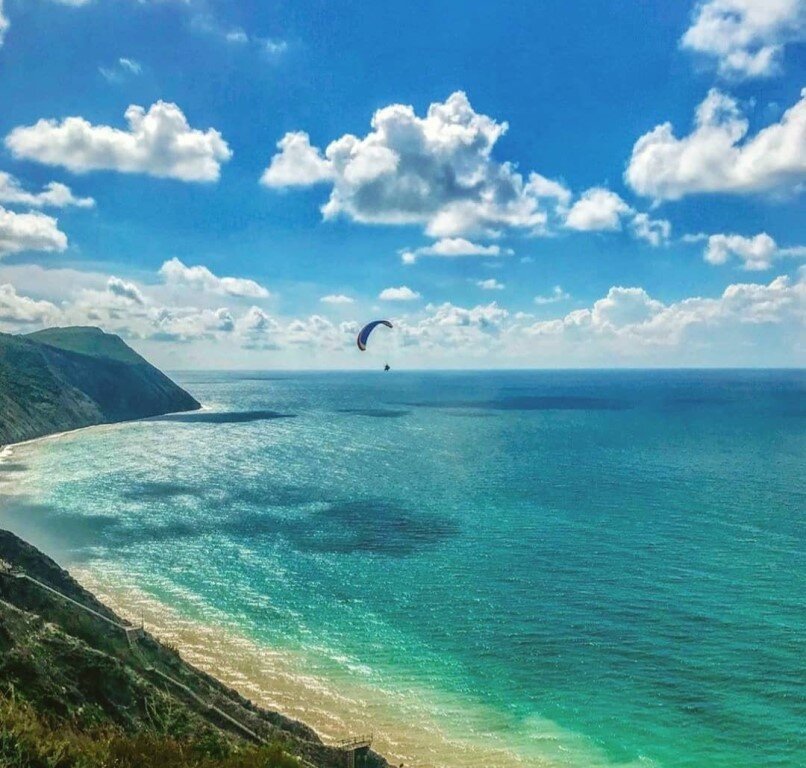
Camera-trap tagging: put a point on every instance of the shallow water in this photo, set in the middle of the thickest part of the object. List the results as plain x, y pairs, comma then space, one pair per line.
490, 569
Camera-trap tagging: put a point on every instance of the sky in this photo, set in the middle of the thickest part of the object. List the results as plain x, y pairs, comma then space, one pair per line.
513, 184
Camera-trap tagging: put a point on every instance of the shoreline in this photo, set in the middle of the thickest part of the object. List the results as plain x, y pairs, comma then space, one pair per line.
280, 680
6, 449
427, 728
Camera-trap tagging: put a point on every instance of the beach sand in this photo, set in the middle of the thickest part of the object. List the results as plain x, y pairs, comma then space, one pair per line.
281, 680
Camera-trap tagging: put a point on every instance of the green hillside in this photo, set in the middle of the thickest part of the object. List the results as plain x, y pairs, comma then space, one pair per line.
80, 689
65, 378
88, 340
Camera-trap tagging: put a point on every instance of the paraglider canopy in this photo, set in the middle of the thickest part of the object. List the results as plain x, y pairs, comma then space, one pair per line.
363, 334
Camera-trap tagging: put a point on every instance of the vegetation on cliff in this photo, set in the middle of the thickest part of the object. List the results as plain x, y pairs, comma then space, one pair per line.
65, 378
76, 691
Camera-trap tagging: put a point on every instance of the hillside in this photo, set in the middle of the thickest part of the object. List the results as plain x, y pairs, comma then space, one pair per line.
79, 688
65, 378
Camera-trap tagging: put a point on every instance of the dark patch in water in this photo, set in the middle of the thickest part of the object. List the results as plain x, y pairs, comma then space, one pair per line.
533, 403
153, 491
695, 400
224, 417
470, 414
372, 526
378, 413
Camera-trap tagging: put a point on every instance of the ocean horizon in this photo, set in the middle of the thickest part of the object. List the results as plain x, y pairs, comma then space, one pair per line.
579, 568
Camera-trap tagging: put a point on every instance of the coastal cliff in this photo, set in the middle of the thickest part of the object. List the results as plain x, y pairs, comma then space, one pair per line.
66, 378
81, 687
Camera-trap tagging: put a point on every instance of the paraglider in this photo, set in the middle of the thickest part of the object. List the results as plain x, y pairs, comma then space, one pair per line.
363, 334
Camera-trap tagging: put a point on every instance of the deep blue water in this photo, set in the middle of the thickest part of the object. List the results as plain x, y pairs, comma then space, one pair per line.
619, 554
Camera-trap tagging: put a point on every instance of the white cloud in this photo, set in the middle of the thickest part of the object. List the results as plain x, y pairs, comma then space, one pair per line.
159, 142
3, 24
190, 324
403, 293
557, 294
318, 333
654, 231
756, 253
29, 232
236, 36
630, 323
296, 164
437, 171
208, 24
125, 290
453, 330
746, 37
274, 47
122, 69
597, 209
22, 309
175, 273
491, 284
749, 324
718, 156
55, 195
336, 298
257, 330
453, 247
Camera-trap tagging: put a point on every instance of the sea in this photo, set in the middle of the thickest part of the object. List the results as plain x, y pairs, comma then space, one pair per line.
512, 568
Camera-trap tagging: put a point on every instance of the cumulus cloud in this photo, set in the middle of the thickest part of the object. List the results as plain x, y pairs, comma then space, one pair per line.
749, 323
557, 294
297, 164
190, 324
257, 330
16, 309
630, 323
54, 195
597, 209
756, 253
336, 298
453, 247
450, 328
654, 231
124, 290
159, 142
29, 232
436, 171
175, 273
746, 38
490, 284
403, 293
718, 156
318, 333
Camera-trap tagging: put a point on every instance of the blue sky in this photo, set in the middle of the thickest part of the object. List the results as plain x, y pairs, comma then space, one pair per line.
539, 215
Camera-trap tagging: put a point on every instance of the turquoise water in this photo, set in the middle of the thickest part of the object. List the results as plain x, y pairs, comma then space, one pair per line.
611, 567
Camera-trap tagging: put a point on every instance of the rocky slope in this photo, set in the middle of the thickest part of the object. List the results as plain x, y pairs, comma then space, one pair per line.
65, 378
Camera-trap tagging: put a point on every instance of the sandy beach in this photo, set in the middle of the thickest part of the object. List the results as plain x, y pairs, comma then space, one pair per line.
283, 681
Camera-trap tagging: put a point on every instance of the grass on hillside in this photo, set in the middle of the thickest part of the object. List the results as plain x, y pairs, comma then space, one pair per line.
27, 740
